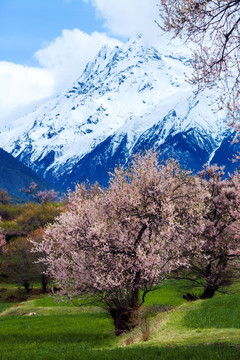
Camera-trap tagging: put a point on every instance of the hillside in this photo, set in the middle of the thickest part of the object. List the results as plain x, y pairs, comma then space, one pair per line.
205, 329
15, 175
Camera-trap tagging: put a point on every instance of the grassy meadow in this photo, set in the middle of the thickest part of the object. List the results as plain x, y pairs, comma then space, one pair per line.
40, 328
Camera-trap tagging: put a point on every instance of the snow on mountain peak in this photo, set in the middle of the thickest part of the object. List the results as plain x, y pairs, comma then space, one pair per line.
126, 99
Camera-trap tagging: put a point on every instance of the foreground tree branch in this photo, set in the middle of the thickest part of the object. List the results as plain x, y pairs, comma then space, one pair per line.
213, 25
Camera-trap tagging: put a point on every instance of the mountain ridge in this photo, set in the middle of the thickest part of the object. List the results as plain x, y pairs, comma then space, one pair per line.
127, 99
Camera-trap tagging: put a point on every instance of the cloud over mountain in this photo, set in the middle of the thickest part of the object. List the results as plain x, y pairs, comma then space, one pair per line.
67, 55
20, 87
60, 62
125, 18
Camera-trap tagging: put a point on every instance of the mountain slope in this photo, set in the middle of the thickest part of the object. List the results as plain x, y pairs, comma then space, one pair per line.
128, 99
14, 175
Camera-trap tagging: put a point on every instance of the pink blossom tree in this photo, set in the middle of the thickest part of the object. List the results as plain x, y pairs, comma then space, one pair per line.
218, 242
41, 196
115, 245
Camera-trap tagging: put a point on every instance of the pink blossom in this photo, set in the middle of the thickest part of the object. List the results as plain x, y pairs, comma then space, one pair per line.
110, 243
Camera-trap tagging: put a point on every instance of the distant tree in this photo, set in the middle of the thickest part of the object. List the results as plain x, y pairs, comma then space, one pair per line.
214, 26
4, 197
9, 211
34, 216
112, 243
217, 244
40, 268
18, 263
19, 221
41, 196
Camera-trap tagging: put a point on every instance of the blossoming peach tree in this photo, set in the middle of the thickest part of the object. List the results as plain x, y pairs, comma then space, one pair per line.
219, 241
117, 244
40, 196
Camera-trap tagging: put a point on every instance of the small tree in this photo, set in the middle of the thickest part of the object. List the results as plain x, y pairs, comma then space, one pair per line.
36, 237
112, 243
218, 242
34, 216
18, 263
41, 196
4, 197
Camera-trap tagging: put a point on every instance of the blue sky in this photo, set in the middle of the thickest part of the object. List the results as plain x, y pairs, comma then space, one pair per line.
45, 44
26, 25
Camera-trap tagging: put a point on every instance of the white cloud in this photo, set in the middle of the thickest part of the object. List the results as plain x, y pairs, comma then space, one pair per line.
60, 63
63, 60
127, 17
21, 86
67, 56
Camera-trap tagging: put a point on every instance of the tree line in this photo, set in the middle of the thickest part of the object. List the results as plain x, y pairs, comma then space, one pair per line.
18, 223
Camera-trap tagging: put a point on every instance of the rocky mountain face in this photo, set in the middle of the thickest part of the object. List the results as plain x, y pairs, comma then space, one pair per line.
127, 100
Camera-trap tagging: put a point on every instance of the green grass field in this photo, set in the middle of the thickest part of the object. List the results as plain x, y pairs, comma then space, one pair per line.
205, 329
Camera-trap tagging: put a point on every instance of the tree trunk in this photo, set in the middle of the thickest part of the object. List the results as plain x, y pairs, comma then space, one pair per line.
211, 286
26, 285
124, 319
44, 281
209, 292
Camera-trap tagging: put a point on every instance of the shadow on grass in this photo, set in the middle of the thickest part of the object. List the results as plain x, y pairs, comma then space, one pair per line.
81, 352
95, 329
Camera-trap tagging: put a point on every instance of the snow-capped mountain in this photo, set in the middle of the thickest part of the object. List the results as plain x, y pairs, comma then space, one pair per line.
127, 99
